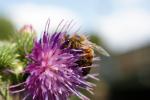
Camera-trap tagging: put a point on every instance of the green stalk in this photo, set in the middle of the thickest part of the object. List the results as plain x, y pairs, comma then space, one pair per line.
2, 94
7, 96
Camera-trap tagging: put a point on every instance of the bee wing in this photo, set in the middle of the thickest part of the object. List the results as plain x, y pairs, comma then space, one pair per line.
100, 50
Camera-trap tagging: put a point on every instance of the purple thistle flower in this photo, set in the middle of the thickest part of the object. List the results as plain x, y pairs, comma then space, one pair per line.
54, 73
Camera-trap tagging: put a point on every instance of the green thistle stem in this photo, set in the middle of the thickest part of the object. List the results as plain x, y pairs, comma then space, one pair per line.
2, 94
6, 95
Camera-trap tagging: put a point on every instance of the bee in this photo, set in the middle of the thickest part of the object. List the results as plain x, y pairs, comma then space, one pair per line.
81, 42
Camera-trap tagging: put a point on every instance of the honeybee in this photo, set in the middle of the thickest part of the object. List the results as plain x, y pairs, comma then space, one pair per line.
81, 42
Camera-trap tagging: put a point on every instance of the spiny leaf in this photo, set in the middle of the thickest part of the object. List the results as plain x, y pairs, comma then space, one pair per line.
24, 45
7, 56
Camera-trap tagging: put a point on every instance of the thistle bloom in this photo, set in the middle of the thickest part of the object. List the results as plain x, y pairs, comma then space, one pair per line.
54, 73
27, 29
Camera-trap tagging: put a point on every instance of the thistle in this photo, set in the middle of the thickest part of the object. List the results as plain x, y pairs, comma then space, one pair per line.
24, 42
55, 68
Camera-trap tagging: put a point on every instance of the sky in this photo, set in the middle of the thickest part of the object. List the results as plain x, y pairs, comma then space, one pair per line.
123, 24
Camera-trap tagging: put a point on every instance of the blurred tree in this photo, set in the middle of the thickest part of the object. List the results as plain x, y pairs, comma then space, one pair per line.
6, 29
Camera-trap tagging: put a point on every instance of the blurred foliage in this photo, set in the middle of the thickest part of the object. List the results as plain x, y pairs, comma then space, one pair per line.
14, 46
6, 29
6, 56
24, 44
95, 39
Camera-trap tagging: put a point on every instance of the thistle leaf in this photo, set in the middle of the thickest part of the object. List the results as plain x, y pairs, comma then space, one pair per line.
7, 56
24, 45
